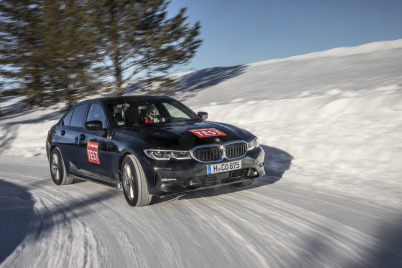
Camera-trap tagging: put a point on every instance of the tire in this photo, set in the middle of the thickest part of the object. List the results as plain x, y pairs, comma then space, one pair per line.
58, 169
135, 185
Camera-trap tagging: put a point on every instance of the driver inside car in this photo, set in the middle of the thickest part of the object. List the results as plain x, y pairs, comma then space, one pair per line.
149, 115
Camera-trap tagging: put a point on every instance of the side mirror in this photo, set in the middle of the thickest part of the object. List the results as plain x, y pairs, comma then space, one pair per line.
203, 115
93, 125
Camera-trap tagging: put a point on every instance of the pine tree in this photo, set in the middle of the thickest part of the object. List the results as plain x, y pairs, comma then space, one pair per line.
48, 47
74, 55
140, 38
55, 50
21, 53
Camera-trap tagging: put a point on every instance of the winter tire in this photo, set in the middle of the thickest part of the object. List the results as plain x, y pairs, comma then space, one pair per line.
58, 169
135, 185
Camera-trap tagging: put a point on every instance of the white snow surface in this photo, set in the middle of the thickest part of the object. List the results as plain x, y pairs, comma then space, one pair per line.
336, 115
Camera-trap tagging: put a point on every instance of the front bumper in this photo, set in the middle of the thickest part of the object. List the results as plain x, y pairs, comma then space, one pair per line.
181, 176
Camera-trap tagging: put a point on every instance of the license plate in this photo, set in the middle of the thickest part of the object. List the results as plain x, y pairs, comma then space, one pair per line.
223, 167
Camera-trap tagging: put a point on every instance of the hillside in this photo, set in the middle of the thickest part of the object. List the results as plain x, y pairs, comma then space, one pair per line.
330, 123
337, 113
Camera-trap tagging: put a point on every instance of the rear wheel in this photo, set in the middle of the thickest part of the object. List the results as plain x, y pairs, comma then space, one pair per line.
135, 185
57, 168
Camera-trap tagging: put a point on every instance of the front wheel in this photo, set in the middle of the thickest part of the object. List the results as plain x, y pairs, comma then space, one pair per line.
135, 185
57, 168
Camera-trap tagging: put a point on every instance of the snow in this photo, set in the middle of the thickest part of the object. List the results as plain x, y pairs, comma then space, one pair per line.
337, 113
331, 124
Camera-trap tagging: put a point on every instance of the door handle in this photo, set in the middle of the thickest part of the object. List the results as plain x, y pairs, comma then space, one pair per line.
63, 132
82, 137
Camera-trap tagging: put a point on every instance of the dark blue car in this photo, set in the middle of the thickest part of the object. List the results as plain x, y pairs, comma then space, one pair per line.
150, 146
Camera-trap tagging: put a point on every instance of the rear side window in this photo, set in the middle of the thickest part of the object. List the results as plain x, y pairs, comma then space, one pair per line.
67, 119
78, 116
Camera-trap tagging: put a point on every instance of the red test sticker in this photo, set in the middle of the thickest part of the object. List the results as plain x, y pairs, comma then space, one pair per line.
207, 132
92, 152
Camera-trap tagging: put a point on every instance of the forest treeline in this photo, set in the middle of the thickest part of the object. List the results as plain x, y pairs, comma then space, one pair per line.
61, 50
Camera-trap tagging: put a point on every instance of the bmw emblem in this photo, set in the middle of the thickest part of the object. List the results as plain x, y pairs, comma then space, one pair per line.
218, 140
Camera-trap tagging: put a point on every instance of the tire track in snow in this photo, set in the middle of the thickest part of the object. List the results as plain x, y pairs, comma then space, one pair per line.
55, 228
266, 226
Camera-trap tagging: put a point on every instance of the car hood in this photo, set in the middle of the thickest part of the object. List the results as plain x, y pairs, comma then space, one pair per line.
185, 136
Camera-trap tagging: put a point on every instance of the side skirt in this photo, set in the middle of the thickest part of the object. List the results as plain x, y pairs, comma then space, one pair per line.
80, 174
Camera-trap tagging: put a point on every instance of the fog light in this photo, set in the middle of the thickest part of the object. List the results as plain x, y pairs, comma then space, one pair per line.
169, 180
194, 183
252, 172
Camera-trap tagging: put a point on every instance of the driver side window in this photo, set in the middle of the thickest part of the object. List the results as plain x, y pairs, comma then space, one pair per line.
96, 113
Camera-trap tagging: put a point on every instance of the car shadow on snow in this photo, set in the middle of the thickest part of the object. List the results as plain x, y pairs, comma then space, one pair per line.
277, 162
20, 220
16, 212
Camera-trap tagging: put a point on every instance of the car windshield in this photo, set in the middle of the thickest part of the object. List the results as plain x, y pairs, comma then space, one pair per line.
149, 112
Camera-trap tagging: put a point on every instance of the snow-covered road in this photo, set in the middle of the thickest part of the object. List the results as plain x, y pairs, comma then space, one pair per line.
272, 223
331, 125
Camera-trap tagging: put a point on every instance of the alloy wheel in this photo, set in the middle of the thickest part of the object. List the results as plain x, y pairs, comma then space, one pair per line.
128, 181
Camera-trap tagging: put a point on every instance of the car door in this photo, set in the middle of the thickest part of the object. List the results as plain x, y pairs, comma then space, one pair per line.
95, 160
62, 136
69, 143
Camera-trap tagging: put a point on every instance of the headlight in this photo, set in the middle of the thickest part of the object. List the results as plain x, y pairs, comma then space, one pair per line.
254, 143
167, 154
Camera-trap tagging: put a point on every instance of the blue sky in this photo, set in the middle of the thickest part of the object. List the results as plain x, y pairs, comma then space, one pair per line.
245, 31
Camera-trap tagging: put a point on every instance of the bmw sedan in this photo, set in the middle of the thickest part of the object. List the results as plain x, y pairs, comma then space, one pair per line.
150, 146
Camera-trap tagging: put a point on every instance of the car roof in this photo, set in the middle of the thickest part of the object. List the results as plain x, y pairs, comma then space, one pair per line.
125, 98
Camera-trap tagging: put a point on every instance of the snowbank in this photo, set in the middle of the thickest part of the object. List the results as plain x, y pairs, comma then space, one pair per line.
337, 112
